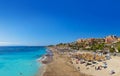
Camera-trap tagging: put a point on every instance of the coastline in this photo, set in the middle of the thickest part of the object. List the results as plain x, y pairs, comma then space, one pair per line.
45, 60
41, 70
59, 66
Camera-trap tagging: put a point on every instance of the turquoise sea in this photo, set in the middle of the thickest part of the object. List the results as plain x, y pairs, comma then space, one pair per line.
20, 60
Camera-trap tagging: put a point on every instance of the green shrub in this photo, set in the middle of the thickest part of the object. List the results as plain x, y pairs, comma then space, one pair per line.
118, 48
112, 50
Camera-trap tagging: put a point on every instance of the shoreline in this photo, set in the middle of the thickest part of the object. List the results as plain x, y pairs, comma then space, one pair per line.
42, 70
45, 60
59, 66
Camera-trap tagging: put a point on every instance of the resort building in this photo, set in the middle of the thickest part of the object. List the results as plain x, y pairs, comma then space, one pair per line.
80, 40
111, 39
119, 39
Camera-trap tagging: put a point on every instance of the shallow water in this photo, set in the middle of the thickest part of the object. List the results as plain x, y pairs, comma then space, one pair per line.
20, 61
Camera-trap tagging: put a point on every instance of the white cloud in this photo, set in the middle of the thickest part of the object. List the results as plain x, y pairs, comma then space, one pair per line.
7, 43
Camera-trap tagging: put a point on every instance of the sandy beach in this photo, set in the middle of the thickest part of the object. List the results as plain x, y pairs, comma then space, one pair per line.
41, 70
112, 64
45, 60
59, 67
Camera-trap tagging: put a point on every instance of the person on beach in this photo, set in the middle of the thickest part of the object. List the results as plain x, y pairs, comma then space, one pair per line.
114, 54
112, 72
79, 68
98, 68
105, 65
95, 68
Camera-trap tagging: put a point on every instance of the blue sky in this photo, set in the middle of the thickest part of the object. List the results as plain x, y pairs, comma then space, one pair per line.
44, 22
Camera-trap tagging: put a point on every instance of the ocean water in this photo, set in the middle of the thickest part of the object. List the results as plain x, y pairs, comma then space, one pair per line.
20, 61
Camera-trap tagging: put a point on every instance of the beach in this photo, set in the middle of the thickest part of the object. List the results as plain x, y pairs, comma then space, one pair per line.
60, 67
44, 61
112, 64
41, 70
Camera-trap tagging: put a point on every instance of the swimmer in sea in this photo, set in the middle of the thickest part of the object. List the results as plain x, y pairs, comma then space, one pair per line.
20, 73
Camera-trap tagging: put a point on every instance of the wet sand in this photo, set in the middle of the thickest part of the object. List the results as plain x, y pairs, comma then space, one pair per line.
41, 70
45, 60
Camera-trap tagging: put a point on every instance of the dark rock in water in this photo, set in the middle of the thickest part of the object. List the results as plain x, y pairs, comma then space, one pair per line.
50, 54
47, 58
44, 62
